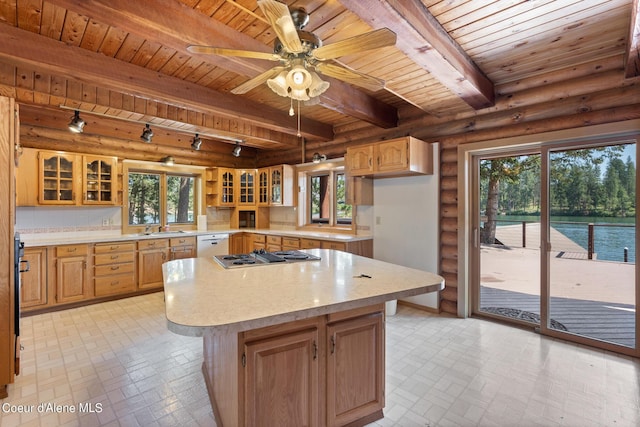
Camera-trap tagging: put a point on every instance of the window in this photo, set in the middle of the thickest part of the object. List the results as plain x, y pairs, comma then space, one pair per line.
327, 199
161, 197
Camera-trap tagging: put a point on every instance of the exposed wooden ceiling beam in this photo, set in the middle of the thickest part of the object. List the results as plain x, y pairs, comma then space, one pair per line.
421, 37
176, 25
632, 56
48, 55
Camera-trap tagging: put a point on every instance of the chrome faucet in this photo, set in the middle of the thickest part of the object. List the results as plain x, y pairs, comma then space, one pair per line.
147, 229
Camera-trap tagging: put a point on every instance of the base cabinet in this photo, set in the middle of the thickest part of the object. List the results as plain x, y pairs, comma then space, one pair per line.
151, 255
322, 371
72, 274
33, 283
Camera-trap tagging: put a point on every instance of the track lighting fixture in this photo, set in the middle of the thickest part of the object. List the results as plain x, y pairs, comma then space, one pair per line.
197, 142
147, 134
76, 125
317, 158
236, 150
169, 161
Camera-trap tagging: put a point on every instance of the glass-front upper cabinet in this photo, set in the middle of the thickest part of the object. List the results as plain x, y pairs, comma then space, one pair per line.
99, 186
57, 178
276, 186
246, 184
227, 187
263, 187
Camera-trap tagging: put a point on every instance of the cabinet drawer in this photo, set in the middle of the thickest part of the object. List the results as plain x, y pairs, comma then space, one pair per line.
274, 240
309, 244
182, 241
114, 247
153, 244
259, 238
117, 284
291, 242
113, 258
109, 270
72, 250
338, 246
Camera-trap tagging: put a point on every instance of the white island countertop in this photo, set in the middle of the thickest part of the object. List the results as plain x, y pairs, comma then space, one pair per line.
202, 296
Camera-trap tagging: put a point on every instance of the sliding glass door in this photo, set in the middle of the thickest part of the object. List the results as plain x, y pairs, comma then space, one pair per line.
555, 241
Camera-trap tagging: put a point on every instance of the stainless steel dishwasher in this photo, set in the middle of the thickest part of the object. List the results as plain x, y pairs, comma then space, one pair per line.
212, 244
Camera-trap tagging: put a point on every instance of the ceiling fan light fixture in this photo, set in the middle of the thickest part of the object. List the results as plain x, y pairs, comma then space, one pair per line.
299, 78
147, 134
197, 142
76, 125
278, 84
299, 94
318, 86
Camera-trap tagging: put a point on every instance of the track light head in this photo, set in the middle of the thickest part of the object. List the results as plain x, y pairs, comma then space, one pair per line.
147, 134
169, 161
236, 150
317, 158
76, 125
197, 142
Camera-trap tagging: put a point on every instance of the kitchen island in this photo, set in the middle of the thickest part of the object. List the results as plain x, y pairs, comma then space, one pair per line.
291, 344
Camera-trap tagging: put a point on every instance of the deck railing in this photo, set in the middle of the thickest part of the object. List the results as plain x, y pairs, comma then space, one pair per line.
591, 236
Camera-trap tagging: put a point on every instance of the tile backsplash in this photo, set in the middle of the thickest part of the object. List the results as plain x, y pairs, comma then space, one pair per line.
32, 220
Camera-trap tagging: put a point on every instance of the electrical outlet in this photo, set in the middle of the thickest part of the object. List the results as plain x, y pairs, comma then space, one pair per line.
378, 220
105, 222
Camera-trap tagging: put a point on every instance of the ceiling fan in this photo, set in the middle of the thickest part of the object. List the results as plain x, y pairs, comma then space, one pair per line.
301, 54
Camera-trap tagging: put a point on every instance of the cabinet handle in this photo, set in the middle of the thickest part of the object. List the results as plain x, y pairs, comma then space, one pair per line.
164, 256
315, 350
115, 267
115, 256
333, 344
115, 282
72, 249
243, 359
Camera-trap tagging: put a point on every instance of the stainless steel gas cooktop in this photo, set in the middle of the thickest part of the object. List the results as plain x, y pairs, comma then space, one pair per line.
263, 257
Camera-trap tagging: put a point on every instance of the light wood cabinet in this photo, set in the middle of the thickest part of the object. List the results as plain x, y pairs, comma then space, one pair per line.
290, 243
220, 187
33, 285
237, 243
338, 246
282, 380
282, 185
72, 274
256, 242
100, 183
325, 370
58, 175
183, 247
246, 179
114, 268
151, 255
355, 368
274, 243
310, 243
264, 190
397, 157
359, 191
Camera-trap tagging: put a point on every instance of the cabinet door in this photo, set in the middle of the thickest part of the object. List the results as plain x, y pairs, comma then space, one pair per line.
57, 179
281, 380
33, 285
150, 267
276, 186
72, 281
359, 160
226, 182
355, 369
99, 183
263, 187
246, 187
392, 156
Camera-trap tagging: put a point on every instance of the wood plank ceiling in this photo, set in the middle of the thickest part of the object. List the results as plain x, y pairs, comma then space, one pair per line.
454, 59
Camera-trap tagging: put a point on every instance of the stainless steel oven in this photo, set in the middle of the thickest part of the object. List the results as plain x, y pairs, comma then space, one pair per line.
20, 266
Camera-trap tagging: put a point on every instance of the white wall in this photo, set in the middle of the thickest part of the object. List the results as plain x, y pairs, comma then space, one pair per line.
405, 226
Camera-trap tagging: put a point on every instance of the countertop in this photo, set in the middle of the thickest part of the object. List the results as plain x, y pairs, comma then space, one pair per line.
201, 296
62, 238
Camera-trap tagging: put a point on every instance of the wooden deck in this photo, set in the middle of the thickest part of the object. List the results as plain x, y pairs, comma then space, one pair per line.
595, 319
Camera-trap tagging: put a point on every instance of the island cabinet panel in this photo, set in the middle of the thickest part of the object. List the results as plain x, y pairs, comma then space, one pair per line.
287, 374
151, 255
281, 380
33, 285
355, 369
72, 274
114, 268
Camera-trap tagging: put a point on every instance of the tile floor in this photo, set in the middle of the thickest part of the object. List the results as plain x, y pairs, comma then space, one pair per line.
116, 364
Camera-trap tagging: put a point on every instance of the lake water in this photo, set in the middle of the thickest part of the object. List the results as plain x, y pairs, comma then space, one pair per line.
609, 241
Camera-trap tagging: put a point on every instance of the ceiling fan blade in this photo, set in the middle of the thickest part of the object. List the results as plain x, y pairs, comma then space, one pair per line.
280, 19
350, 76
232, 52
257, 81
363, 42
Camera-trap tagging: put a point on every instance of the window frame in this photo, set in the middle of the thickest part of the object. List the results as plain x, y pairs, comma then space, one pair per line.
195, 172
306, 172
